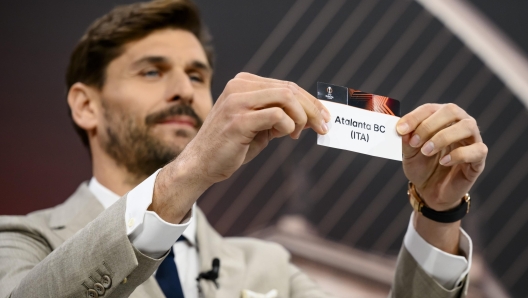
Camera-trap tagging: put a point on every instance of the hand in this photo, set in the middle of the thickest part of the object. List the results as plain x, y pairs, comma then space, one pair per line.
250, 112
443, 153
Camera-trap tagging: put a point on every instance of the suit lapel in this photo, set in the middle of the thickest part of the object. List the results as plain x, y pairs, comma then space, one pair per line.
75, 213
232, 264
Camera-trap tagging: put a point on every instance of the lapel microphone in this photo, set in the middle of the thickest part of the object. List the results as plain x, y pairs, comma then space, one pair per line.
212, 274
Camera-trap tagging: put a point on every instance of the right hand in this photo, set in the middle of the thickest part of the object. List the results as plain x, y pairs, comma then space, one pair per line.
250, 112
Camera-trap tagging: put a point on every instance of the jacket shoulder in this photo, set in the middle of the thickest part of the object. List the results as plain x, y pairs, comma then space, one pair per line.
34, 221
52, 224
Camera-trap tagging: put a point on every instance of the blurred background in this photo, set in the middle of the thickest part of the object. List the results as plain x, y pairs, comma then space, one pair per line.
342, 215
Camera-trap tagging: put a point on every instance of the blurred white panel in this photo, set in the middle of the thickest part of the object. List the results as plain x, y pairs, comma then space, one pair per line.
487, 41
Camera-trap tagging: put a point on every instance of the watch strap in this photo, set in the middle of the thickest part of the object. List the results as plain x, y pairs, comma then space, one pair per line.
448, 216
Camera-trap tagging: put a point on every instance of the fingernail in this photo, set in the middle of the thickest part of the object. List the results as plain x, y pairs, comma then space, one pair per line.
427, 148
402, 128
324, 127
445, 160
415, 140
325, 115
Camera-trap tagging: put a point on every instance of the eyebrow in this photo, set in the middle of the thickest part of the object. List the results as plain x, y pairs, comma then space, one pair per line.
201, 65
163, 60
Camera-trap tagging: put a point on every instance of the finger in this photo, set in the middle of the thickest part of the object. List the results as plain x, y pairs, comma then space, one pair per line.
242, 85
316, 112
474, 154
310, 103
407, 150
300, 109
273, 119
276, 97
258, 144
409, 122
442, 118
465, 129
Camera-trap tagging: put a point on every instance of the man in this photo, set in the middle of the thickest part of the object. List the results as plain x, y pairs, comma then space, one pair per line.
139, 93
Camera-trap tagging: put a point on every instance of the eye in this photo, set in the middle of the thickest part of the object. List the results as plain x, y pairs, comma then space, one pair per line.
196, 77
152, 73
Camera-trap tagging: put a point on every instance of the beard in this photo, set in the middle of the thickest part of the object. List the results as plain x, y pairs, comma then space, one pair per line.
134, 146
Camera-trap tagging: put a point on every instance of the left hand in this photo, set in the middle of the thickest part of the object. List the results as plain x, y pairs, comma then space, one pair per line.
443, 153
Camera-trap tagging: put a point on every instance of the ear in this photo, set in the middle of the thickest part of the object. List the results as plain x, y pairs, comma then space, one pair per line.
82, 100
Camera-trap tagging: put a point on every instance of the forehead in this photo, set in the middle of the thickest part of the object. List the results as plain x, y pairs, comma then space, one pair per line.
179, 46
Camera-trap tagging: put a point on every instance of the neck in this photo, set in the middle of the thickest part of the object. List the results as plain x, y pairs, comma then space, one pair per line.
110, 174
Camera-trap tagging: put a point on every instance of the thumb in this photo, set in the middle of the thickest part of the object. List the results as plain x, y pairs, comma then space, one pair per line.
407, 150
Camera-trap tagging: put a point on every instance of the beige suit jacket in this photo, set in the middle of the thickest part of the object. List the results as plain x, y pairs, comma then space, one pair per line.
63, 251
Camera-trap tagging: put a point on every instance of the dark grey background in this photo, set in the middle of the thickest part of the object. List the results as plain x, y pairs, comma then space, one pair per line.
352, 199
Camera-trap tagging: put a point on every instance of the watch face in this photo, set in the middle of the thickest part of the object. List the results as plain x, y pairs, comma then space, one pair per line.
417, 206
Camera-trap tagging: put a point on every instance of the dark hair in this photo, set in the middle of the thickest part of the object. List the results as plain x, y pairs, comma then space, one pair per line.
105, 38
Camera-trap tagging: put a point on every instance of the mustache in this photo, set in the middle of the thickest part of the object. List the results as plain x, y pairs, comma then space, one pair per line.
176, 110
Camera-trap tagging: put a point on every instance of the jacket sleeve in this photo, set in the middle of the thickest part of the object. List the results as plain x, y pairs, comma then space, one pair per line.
411, 281
98, 255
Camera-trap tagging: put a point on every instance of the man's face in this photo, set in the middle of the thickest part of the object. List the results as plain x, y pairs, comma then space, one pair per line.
155, 97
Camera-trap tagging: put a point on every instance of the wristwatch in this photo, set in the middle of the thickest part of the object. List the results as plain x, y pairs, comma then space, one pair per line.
448, 216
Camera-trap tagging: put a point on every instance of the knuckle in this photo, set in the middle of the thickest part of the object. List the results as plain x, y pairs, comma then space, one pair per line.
468, 123
230, 98
290, 125
453, 109
304, 118
424, 129
474, 124
292, 86
231, 86
316, 111
451, 106
287, 94
316, 103
235, 122
471, 124
276, 114
440, 139
242, 75
413, 119
429, 106
232, 103
484, 149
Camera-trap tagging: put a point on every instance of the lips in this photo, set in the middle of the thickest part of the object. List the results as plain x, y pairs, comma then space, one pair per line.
180, 115
181, 120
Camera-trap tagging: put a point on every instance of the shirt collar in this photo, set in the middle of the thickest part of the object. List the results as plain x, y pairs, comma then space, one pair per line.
107, 198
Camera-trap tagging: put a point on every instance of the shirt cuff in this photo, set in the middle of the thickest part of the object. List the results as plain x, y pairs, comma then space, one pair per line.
148, 232
447, 269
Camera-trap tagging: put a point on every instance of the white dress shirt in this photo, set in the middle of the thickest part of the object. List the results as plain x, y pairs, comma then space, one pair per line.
447, 269
153, 236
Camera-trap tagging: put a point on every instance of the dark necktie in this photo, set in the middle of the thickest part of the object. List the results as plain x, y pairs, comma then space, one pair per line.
167, 276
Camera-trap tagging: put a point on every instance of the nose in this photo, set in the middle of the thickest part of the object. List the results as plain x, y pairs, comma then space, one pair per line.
181, 88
